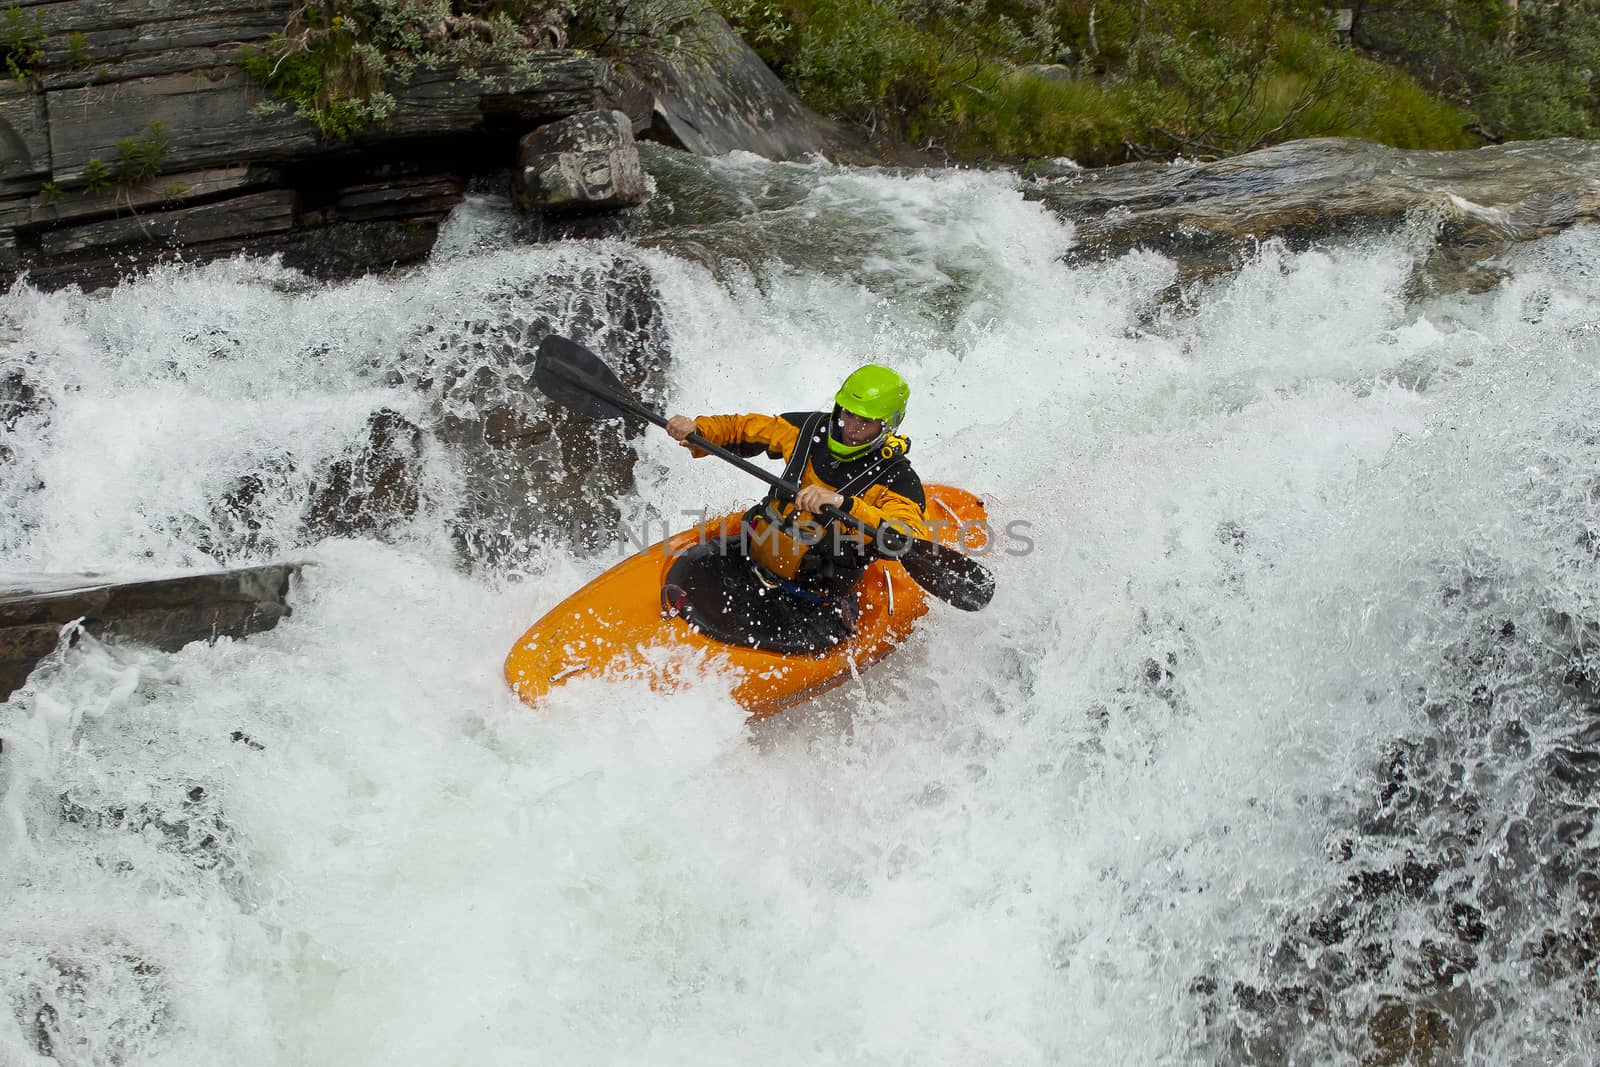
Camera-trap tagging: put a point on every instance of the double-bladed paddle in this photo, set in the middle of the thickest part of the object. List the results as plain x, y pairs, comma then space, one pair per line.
579, 380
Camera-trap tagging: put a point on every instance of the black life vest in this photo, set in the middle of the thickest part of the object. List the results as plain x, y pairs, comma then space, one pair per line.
773, 536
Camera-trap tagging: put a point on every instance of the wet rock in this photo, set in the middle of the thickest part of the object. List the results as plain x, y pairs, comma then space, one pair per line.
246, 740
1231, 534
582, 163
165, 612
376, 487
1473, 853
191, 828
98, 1002
530, 472
717, 96
20, 398
237, 523
1406, 1033
1209, 217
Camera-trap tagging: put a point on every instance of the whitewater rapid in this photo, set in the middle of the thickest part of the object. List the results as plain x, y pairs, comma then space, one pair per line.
1278, 530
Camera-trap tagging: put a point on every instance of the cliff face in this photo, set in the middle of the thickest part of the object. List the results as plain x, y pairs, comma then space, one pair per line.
137, 135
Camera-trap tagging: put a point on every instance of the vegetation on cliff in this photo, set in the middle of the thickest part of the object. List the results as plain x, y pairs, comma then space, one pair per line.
336, 59
1105, 81
1101, 81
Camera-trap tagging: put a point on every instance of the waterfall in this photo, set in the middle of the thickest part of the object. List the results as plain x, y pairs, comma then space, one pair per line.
1278, 743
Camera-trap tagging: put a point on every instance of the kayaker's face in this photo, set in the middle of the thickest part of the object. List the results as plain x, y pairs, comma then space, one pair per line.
857, 430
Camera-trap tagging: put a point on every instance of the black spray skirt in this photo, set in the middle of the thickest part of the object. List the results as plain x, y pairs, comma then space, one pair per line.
722, 593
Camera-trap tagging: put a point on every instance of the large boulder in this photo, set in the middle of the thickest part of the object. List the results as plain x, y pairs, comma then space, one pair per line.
717, 96
531, 472
582, 163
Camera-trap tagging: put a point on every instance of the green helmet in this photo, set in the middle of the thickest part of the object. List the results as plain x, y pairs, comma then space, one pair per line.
872, 392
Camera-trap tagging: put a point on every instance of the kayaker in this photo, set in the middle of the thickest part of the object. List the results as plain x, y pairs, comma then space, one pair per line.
788, 582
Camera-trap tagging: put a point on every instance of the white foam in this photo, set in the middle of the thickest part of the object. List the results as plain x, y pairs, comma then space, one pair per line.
1023, 838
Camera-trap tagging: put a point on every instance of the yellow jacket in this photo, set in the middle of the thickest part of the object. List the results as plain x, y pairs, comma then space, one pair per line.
893, 495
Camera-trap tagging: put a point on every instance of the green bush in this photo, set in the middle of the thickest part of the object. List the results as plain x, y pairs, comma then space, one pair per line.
1525, 70
20, 39
1100, 81
860, 60
327, 76
1028, 115
139, 159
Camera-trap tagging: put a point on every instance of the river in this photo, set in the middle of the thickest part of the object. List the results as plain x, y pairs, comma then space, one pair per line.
1279, 742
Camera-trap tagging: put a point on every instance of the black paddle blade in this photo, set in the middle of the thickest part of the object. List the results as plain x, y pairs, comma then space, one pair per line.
958, 580
575, 378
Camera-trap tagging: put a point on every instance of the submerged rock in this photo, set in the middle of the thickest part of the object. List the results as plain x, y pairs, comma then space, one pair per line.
1452, 884
100, 1000
373, 488
528, 471
20, 398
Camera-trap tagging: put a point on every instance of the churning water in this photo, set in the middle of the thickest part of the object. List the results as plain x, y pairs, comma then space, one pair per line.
1282, 744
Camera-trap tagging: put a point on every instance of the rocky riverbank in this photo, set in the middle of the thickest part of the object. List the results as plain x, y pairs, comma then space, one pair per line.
137, 136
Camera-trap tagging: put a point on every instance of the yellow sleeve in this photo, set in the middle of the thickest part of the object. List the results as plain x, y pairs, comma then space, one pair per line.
879, 505
777, 435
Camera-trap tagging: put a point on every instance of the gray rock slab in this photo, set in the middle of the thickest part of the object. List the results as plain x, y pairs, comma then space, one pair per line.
24, 135
721, 97
209, 117
166, 190
400, 198
1206, 216
242, 216
173, 61
103, 45
449, 101
167, 611
85, 16
560, 84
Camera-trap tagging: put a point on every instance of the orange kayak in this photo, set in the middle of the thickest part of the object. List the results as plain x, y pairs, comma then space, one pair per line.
615, 627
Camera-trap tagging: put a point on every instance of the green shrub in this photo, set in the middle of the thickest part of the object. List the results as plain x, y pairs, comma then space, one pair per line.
860, 60
96, 175
328, 77
21, 37
1130, 78
1027, 116
1522, 70
139, 159
1405, 115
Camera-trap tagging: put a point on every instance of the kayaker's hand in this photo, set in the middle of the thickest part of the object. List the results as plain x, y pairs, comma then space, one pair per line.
814, 498
680, 427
